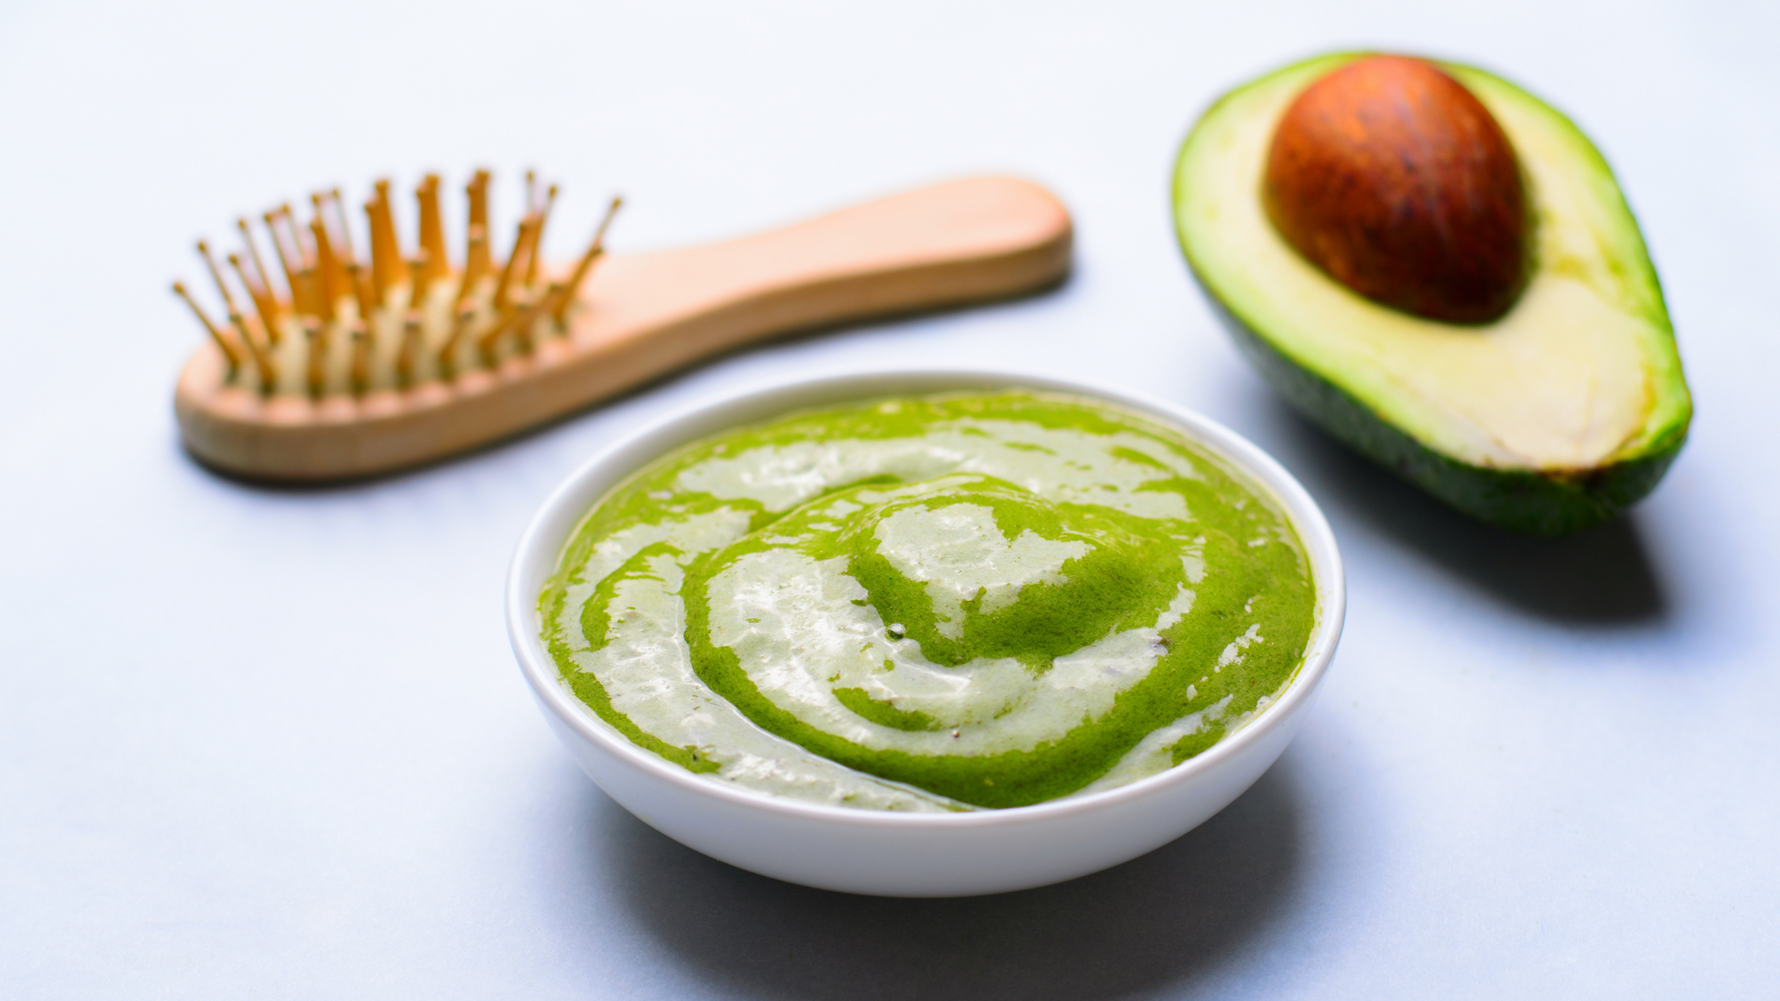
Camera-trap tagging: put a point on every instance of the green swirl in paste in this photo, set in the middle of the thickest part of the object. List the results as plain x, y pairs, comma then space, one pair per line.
939, 602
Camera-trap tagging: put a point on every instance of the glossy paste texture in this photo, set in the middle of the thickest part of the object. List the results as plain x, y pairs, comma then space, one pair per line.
941, 602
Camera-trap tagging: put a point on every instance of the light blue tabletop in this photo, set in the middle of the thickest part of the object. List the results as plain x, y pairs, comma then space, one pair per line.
271, 743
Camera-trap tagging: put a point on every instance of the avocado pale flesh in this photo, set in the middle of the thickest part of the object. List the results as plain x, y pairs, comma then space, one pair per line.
1555, 415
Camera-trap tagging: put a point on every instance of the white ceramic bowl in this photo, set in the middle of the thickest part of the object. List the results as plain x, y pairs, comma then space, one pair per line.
910, 854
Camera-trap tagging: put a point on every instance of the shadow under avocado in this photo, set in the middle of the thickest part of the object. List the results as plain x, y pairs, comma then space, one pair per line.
1599, 576
1163, 919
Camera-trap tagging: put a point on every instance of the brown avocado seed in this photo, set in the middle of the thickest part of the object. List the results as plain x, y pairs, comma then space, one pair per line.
1395, 180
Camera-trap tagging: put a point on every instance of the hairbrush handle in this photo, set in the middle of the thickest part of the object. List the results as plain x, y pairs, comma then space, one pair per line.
642, 316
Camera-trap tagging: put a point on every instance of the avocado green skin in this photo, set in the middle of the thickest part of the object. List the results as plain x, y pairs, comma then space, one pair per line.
1519, 500
1532, 502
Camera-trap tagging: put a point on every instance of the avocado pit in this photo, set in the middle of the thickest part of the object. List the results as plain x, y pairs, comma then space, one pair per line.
1394, 179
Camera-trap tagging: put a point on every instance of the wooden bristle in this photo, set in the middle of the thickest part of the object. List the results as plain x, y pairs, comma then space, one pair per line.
543, 212
373, 278
298, 235
476, 256
317, 335
597, 248
318, 203
259, 267
413, 333
328, 270
515, 261
363, 290
339, 240
291, 260
361, 359
228, 350
263, 303
344, 250
477, 190
432, 229
364, 336
419, 270
387, 266
216, 276
477, 250
262, 360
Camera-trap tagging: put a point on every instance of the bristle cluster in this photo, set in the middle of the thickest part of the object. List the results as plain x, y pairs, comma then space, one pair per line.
346, 324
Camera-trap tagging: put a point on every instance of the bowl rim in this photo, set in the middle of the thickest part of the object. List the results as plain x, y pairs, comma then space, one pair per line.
561, 513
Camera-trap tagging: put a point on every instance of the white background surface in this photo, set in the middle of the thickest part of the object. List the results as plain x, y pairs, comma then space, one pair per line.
271, 743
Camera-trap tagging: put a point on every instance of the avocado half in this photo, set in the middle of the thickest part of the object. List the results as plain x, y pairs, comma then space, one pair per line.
1555, 416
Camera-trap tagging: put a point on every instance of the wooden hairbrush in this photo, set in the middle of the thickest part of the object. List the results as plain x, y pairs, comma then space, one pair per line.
364, 365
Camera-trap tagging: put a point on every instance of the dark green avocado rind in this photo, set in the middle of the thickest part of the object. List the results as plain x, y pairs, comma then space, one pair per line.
1519, 500
1543, 503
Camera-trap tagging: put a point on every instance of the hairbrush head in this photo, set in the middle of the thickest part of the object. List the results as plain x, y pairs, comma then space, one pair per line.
343, 325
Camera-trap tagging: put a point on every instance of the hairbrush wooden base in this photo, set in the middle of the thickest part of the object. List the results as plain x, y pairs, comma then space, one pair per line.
637, 318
